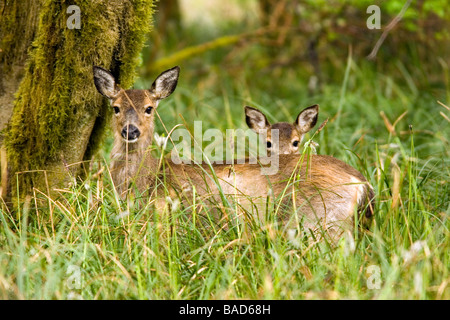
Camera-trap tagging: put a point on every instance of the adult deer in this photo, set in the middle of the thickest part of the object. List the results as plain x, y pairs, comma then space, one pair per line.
321, 191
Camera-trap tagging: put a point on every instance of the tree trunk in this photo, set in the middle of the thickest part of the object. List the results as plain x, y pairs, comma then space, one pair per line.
58, 118
18, 18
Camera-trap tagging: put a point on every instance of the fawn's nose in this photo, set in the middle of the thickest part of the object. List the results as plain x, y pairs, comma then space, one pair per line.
130, 132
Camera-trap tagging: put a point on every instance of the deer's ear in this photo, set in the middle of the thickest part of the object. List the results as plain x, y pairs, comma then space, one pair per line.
105, 83
165, 83
256, 120
307, 119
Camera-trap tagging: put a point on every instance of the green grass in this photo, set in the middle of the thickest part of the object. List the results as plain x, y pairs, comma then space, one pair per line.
75, 246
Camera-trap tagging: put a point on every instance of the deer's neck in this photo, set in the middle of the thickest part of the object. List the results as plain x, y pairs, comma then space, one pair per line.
132, 163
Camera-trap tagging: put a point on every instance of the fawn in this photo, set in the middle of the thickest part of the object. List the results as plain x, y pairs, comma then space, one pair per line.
321, 191
290, 135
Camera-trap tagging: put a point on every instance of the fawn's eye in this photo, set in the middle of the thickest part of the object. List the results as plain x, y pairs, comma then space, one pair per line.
295, 143
148, 110
269, 144
116, 110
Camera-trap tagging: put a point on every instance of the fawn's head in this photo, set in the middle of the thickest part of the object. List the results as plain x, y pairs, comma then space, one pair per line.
134, 109
290, 135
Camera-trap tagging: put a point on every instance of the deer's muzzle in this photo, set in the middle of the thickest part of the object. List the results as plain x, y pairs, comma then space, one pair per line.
130, 133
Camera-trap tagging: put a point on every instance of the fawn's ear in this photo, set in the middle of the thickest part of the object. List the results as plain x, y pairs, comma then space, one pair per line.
256, 120
165, 83
105, 83
307, 119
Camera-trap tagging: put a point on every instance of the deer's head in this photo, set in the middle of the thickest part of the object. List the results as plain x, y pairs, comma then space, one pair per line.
134, 109
290, 135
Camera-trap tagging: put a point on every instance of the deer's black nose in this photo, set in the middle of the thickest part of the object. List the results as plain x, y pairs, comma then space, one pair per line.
130, 132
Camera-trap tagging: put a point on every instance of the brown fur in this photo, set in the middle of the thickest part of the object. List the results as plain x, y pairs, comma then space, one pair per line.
323, 191
288, 133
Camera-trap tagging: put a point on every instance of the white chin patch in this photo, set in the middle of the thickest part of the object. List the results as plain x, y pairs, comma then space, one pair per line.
130, 141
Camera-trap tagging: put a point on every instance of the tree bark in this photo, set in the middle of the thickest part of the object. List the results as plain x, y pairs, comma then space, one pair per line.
58, 119
18, 18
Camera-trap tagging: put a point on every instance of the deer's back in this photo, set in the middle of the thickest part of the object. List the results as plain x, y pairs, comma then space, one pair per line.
318, 183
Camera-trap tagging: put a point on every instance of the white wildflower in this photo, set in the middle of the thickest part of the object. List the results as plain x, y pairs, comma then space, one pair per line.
160, 141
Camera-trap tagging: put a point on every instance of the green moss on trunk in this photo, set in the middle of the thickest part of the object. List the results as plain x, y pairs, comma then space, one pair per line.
17, 18
58, 117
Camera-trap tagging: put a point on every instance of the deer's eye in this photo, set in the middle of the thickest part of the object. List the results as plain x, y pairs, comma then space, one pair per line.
269, 144
116, 110
295, 143
148, 110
